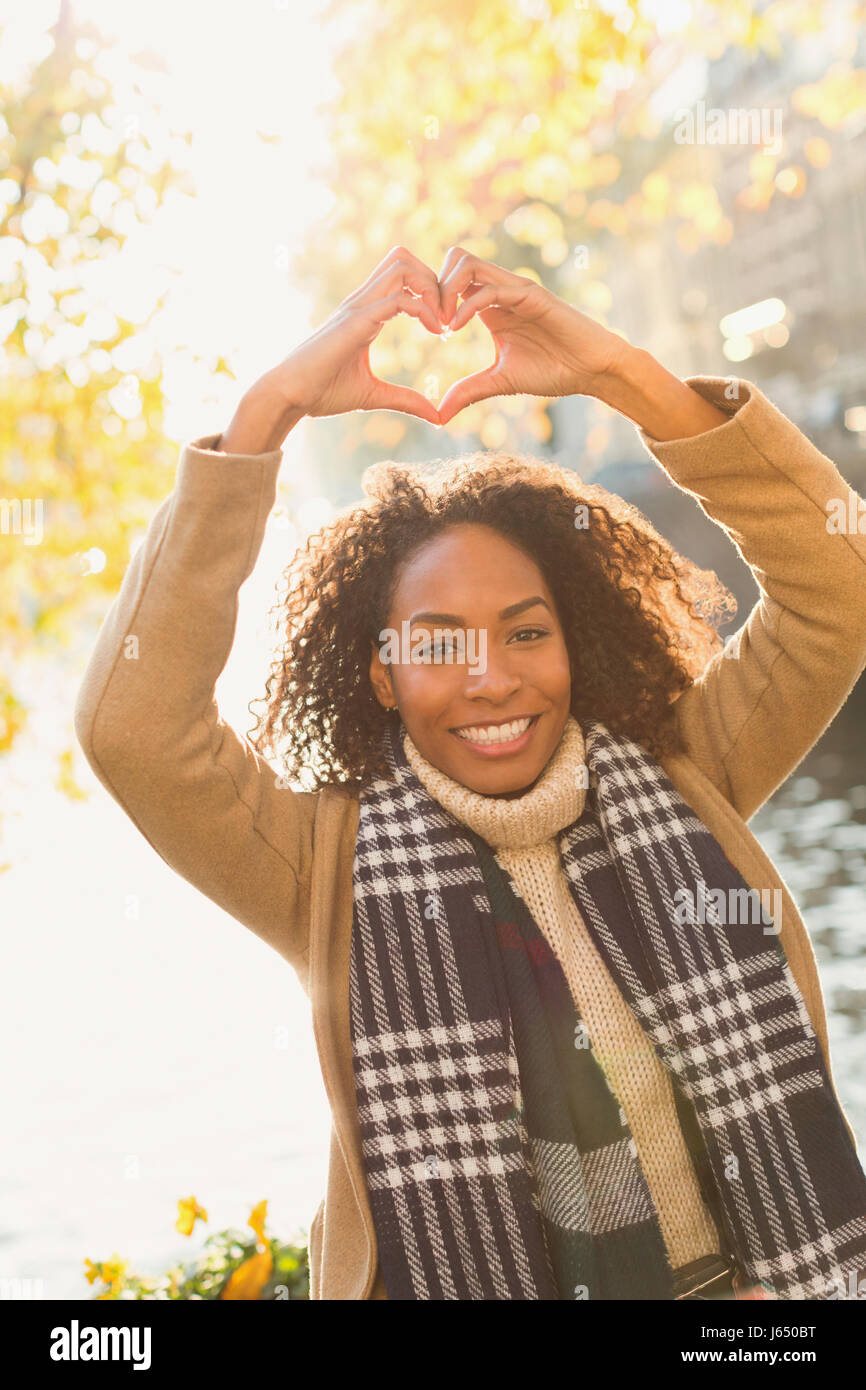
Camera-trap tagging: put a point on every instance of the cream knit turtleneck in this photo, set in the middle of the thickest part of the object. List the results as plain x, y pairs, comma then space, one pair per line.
522, 831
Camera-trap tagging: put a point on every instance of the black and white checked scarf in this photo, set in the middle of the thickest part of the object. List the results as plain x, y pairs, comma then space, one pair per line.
498, 1161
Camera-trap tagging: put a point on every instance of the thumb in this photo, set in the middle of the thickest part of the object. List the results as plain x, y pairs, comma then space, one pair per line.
386, 396
477, 387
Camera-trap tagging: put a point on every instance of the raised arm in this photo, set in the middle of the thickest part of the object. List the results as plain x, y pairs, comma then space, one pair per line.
147, 718
146, 714
759, 707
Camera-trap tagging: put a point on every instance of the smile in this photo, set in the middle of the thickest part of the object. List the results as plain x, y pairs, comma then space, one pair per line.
495, 739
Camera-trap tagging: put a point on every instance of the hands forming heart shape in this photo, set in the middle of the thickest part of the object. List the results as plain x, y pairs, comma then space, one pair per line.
544, 346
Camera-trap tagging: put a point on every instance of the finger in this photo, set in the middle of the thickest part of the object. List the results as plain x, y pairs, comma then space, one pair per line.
404, 271
460, 270
387, 396
482, 297
477, 387
396, 253
452, 256
379, 311
455, 254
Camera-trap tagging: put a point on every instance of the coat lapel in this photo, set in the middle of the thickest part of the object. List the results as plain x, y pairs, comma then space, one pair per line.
330, 945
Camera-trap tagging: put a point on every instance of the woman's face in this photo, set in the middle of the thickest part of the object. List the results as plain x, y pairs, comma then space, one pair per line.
475, 660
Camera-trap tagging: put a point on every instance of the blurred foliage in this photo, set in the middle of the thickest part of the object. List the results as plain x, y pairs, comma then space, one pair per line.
524, 131
233, 1266
81, 403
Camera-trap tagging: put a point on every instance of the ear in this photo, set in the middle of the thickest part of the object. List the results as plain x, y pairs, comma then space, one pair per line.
380, 679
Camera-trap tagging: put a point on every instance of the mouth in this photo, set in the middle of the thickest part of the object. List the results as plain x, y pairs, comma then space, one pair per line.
497, 739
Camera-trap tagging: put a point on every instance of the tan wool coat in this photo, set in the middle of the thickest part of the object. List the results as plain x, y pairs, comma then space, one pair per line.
280, 861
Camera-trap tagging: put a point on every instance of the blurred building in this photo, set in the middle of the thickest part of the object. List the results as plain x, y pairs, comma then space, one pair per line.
805, 247
781, 302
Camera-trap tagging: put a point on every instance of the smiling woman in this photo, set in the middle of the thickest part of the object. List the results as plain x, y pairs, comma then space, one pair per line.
597, 622
629, 1105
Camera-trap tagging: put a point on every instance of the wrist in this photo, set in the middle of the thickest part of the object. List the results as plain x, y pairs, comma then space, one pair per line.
664, 407
261, 422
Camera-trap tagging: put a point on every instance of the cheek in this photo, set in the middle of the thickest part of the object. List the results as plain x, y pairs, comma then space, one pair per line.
425, 690
557, 675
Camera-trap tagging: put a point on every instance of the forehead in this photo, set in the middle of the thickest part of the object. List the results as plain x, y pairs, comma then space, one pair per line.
467, 567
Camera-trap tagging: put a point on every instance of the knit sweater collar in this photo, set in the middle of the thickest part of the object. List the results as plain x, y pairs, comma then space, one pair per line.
555, 801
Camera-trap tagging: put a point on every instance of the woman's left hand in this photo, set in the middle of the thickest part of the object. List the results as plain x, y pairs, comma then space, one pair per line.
544, 347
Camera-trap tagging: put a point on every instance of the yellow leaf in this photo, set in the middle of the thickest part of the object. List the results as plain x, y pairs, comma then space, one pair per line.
65, 780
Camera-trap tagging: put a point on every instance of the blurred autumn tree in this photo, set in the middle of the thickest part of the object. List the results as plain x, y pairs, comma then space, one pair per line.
524, 131
81, 405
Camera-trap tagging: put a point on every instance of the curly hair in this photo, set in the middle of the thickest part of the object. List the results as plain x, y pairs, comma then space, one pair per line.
639, 620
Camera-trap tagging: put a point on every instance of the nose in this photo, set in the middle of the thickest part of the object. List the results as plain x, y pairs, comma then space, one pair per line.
497, 683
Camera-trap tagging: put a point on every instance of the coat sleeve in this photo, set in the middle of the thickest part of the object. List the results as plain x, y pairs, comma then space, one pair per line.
147, 718
758, 708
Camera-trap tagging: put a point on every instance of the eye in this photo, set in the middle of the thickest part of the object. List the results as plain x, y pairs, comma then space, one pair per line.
439, 647
436, 649
530, 634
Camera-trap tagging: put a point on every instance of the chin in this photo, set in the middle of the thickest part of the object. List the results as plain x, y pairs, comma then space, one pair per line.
499, 781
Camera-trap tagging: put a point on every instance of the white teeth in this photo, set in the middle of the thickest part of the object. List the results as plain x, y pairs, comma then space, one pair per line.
495, 733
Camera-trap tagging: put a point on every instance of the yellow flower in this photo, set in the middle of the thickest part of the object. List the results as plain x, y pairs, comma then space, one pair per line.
257, 1218
91, 1274
250, 1278
113, 1270
188, 1212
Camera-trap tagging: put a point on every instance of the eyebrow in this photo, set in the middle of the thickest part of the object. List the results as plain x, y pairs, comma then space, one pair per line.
510, 612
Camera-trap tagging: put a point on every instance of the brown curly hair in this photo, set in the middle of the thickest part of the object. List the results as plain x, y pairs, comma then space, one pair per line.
639, 620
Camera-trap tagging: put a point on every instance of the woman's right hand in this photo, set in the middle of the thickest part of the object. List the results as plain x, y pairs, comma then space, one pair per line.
330, 373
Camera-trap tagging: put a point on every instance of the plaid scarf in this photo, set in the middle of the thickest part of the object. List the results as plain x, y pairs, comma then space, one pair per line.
498, 1161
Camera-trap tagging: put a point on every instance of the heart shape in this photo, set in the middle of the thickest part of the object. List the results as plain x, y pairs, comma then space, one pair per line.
543, 347
405, 398
438, 363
